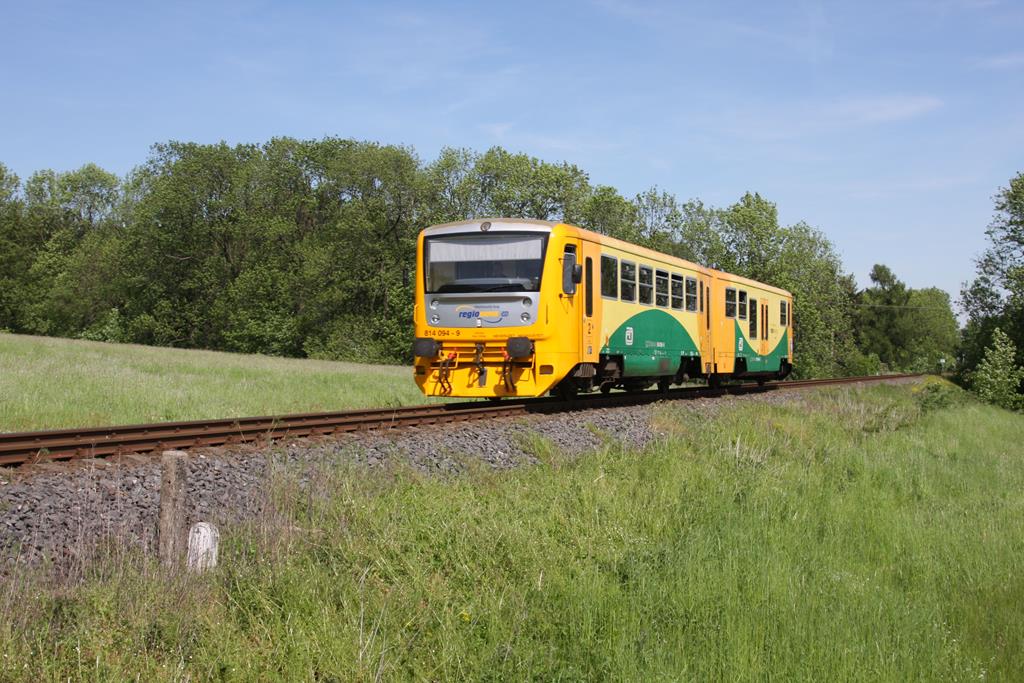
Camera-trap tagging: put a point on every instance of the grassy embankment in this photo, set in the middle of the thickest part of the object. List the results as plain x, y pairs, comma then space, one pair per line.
872, 534
48, 383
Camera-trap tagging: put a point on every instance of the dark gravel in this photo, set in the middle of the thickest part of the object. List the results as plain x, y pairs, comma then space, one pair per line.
69, 513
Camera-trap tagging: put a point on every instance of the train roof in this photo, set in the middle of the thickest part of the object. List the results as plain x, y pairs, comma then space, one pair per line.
496, 223
525, 223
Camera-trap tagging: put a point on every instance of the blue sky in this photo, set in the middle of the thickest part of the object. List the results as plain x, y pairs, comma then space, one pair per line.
887, 125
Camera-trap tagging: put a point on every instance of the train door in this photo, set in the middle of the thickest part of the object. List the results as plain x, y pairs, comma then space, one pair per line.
704, 327
565, 334
765, 346
590, 349
724, 323
754, 327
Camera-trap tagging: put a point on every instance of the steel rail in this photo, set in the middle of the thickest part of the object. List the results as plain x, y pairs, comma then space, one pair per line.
93, 442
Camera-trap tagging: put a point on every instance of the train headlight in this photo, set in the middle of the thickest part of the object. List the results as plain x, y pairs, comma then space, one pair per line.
525, 317
527, 302
433, 304
435, 318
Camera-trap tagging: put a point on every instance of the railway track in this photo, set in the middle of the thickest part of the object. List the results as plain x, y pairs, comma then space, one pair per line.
67, 444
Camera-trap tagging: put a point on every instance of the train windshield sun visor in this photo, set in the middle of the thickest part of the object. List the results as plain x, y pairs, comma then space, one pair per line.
488, 262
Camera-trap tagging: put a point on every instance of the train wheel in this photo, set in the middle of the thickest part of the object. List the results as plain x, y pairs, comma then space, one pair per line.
566, 390
664, 384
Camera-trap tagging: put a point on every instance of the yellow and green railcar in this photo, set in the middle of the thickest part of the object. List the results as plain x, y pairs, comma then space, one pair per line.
509, 307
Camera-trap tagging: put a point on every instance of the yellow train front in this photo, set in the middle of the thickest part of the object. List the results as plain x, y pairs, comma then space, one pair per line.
509, 307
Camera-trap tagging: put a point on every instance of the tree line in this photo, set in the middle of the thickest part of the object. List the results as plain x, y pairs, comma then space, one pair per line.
307, 248
992, 350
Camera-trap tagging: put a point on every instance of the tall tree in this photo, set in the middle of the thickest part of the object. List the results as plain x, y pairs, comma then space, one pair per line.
453, 192
658, 218
609, 213
806, 263
698, 237
907, 329
750, 230
15, 252
995, 298
519, 186
930, 331
881, 307
69, 284
998, 377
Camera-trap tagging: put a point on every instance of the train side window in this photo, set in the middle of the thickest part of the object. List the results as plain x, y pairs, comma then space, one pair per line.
730, 302
783, 314
589, 274
701, 288
691, 294
743, 305
677, 291
627, 281
646, 285
609, 277
572, 273
661, 288
753, 319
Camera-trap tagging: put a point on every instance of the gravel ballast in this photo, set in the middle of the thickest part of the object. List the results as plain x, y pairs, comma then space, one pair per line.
66, 513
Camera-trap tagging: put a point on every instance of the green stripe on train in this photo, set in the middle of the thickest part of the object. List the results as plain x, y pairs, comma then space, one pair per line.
756, 362
651, 343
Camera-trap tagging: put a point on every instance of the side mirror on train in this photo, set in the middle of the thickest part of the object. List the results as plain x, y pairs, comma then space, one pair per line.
569, 273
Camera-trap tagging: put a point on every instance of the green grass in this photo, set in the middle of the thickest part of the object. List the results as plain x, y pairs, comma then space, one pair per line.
873, 534
47, 383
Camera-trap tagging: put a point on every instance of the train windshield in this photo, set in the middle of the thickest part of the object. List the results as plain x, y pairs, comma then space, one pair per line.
485, 262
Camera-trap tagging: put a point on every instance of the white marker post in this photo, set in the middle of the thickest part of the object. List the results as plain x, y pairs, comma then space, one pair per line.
203, 541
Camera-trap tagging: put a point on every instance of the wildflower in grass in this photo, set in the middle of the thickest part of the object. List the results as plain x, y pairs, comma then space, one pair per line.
464, 615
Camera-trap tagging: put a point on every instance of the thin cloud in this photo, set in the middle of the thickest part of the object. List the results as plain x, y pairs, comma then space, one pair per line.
574, 144
881, 188
788, 121
496, 130
511, 136
807, 32
947, 6
975, 4
1010, 60
885, 108
642, 12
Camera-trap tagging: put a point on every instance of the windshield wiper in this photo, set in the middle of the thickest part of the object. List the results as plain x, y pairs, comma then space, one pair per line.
511, 287
454, 288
